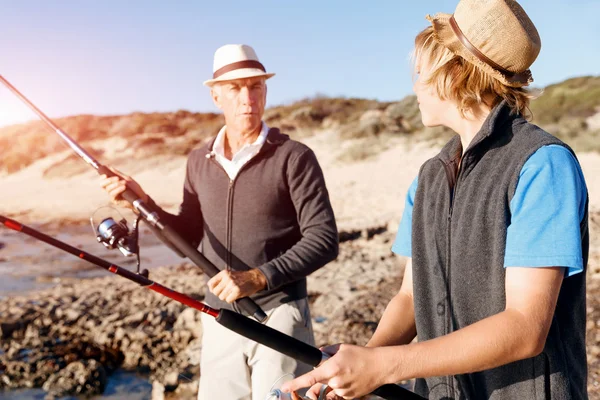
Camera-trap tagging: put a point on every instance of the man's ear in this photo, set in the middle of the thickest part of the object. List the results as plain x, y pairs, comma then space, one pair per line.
215, 93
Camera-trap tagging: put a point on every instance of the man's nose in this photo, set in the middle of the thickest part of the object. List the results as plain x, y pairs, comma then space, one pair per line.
246, 95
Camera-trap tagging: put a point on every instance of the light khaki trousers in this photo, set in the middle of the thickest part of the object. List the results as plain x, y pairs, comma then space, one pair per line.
235, 368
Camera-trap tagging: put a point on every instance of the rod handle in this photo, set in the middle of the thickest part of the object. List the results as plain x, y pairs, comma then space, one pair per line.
270, 337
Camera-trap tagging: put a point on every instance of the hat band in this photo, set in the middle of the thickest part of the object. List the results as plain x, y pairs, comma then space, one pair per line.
238, 65
524, 76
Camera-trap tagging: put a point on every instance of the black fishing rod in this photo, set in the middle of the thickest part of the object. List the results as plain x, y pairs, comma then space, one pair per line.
246, 327
164, 232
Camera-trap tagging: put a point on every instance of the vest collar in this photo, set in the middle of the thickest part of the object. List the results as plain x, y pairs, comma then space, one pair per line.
493, 126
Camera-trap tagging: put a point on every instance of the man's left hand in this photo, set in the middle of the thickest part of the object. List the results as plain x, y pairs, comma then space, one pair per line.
232, 285
352, 372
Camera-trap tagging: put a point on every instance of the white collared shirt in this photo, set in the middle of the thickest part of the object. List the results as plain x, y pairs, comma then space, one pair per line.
239, 159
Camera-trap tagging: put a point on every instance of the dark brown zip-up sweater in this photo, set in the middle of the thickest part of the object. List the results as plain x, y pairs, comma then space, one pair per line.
460, 220
275, 216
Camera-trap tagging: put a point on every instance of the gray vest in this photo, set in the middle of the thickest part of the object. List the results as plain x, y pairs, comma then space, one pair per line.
460, 220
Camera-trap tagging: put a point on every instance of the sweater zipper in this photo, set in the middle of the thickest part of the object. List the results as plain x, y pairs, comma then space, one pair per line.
229, 214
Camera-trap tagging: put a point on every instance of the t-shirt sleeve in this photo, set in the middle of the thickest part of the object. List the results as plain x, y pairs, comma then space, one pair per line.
546, 211
403, 243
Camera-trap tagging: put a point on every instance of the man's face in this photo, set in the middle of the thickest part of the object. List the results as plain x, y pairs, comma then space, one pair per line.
242, 102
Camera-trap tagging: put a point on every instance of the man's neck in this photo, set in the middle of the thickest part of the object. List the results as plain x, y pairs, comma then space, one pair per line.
235, 140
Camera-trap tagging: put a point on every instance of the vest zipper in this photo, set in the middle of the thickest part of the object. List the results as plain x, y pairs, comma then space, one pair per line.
452, 187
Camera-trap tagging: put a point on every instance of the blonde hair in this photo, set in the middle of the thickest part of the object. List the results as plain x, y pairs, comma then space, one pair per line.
454, 78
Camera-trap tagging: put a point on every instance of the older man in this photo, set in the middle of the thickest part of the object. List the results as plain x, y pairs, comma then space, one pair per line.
257, 203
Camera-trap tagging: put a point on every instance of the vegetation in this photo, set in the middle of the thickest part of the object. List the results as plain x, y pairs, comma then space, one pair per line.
570, 110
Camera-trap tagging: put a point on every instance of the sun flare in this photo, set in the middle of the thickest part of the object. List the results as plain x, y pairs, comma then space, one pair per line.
12, 111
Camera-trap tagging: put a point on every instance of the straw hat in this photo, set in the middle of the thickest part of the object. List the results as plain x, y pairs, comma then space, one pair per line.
495, 35
236, 61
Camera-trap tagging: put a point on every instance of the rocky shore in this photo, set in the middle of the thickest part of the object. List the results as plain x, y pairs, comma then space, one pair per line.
69, 339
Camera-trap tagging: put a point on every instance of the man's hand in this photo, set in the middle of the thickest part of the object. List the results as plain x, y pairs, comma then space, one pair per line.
352, 372
116, 185
232, 285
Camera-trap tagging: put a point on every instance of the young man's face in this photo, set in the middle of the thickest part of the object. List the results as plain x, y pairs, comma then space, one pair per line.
433, 108
242, 102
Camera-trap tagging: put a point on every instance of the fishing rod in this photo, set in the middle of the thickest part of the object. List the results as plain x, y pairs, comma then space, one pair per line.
163, 231
238, 323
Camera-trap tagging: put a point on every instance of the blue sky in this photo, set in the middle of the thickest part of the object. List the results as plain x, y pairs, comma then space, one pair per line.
114, 57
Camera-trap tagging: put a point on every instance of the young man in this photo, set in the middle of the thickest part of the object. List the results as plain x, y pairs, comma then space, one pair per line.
257, 202
496, 230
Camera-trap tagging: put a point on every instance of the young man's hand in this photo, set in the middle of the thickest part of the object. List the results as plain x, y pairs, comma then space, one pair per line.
353, 371
232, 285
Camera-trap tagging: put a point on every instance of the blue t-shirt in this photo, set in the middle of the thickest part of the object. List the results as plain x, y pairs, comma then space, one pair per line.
546, 210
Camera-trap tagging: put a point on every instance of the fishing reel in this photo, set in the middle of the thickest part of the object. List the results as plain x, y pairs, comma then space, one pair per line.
116, 235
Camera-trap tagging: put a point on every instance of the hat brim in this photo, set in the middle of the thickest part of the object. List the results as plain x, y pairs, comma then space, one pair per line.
443, 34
239, 74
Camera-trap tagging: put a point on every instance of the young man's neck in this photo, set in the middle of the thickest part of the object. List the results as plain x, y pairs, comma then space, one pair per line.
235, 140
469, 125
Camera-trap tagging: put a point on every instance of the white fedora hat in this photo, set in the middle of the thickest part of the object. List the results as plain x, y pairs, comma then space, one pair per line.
236, 61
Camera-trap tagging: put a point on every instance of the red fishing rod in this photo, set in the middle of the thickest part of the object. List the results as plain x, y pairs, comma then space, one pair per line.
167, 234
246, 327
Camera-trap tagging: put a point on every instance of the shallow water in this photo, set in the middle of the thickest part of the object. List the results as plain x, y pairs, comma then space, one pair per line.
28, 264
121, 385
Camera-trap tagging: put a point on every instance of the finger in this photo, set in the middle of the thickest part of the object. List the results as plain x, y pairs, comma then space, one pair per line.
223, 296
114, 185
317, 375
214, 281
295, 396
232, 295
111, 183
116, 190
108, 181
221, 289
332, 396
217, 290
316, 391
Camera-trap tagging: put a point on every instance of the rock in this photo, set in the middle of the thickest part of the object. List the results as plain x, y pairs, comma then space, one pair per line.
72, 315
8, 328
135, 319
86, 377
193, 350
158, 391
188, 390
171, 381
